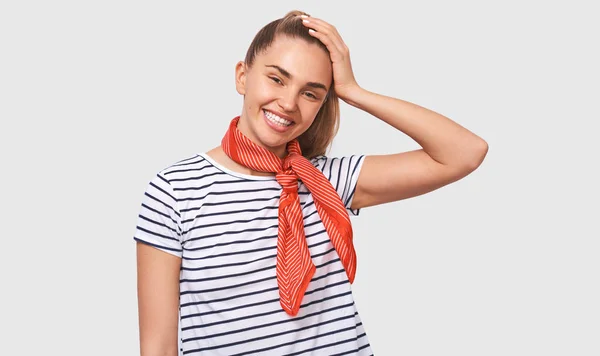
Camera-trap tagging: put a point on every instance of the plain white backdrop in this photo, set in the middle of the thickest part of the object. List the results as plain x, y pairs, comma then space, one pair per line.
98, 96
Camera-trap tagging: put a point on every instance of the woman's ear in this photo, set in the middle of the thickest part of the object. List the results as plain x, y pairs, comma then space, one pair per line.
240, 77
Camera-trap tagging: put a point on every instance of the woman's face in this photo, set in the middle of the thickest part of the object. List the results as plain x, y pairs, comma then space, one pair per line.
283, 92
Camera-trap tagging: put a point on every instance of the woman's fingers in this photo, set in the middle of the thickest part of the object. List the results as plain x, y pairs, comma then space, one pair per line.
327, 33
339, 54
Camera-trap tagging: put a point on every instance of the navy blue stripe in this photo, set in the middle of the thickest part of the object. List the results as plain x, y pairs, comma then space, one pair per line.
355, 351
230, 309
316, 222
328, 274
355, 185
249, 251
231, 212
228, 287
156, 234
240, 231
273, 300
228, 264
230, 297
274, 335
214, 183
272, 323
192, 280
162, 190
183, 305
223, 276
229, 222
225, 212
187, 159
158, 223
320, 242
274, 189
231, 253
200, 326
274, 217
231, 233
306, 205
163, 179
254, 191
274, 277
329, 262
155, 245
348, 184
327, 286
297, 330
295, 342
319, 160
326, 299
330, 344
217, 182
323, 253
316, 161
159, 213
277, 311
194, 178
162, 202
339, 176
187, 170
254, 200
188, 163
231, 243
331, 169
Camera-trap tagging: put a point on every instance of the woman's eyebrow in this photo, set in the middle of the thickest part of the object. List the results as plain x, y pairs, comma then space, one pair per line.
287, 74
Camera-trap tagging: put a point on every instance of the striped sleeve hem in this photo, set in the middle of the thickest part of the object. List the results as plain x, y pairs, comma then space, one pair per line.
158, 222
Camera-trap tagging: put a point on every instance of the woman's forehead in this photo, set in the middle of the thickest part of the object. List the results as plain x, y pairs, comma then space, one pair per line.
300, 59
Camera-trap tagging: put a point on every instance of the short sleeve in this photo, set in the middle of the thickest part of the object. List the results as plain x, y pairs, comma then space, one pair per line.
343, 174
159, 220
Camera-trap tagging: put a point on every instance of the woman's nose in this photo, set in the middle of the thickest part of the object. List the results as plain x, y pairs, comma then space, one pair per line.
287, 101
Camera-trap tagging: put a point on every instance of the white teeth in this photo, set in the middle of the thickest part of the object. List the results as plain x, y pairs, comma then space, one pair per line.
276, 119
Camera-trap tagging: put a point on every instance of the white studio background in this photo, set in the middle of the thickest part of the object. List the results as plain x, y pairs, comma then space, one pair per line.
96, 97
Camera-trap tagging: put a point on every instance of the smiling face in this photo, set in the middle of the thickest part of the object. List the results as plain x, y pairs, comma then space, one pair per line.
283, 92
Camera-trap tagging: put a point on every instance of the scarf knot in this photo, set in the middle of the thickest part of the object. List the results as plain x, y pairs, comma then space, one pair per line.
288, 181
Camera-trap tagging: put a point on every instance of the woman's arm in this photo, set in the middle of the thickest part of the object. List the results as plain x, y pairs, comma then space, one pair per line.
158, 300
449, 153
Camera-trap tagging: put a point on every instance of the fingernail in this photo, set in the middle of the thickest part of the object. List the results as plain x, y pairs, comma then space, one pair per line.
303, 16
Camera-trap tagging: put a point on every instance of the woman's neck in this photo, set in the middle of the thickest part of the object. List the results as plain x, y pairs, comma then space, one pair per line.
219, 156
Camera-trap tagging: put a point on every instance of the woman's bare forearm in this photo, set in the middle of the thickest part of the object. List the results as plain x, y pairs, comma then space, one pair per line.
158, 301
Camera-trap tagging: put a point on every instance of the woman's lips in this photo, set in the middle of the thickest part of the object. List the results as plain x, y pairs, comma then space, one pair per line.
275, 126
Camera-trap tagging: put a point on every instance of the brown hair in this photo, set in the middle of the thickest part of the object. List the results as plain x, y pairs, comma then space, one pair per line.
320, 134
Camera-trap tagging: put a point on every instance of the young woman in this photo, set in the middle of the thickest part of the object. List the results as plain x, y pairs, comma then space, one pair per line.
251, 242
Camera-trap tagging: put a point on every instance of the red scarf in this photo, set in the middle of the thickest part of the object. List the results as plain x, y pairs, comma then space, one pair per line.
294, 264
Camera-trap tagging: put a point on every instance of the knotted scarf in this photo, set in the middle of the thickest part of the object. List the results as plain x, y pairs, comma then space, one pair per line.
294, 267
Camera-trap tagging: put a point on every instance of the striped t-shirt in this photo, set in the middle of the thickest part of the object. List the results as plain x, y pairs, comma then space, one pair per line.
223, 225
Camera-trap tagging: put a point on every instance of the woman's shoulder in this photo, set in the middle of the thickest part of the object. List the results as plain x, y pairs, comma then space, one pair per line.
328, 163
318, 160
183, 164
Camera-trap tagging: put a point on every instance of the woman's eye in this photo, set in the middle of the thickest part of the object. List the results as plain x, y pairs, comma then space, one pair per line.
276, 80
311, 95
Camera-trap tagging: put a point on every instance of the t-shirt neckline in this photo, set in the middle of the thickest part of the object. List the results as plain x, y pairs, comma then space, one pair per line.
233, 173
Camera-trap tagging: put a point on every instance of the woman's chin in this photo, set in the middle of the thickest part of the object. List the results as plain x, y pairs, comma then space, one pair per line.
274, 139
274, 144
